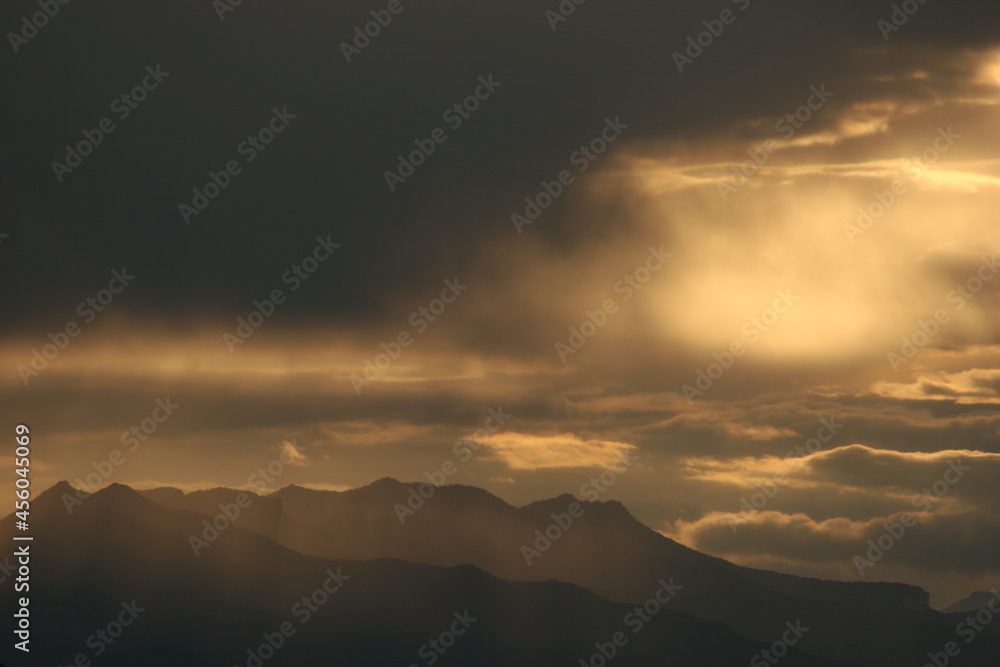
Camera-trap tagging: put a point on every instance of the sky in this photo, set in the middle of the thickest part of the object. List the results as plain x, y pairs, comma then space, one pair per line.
762, 264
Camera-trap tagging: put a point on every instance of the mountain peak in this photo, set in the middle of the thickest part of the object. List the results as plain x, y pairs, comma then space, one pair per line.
118, 493
58, 489
601, 508
974, 602
384, 483
295, 488
558, 503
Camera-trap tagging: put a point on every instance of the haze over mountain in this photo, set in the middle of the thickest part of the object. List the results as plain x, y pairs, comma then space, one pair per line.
975, 602
120, 550
603, 548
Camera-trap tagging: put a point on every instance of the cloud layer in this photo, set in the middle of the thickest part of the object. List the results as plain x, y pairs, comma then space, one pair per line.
797, 228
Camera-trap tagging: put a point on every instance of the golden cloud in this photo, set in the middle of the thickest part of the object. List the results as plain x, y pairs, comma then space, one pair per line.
522, 451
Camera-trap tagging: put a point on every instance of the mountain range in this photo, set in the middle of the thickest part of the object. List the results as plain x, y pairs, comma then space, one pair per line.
304, 577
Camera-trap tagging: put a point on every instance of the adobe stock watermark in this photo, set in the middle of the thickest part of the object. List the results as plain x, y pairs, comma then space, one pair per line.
751, 329
7, 569
230, 512
88, 310
627, 287
591, 491
303, 610
365, 33
787, 126
894, 532
562, 12
581, 158
294, 277
122, 106
32, 23
248, 149
418, 496
638, 618
900, 14
455, 116
769, 489
105, 468
913, 169
223, 7
713, 30
927, 329
420, 320
779, 649
436, 647
968, 629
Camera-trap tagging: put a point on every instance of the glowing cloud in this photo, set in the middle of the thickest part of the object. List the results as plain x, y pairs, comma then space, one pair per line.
521, 451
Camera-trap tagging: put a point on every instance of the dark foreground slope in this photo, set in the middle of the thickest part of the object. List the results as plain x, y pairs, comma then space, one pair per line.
607, 551
120, 557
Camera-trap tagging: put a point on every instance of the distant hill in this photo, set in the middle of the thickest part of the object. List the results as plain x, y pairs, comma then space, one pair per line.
606, 550
209, 610
974, 602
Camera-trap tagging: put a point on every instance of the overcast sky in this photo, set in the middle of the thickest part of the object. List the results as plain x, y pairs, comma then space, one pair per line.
622, 241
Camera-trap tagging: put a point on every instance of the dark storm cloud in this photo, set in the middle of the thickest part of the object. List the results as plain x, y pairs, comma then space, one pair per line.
323, 174
656, 186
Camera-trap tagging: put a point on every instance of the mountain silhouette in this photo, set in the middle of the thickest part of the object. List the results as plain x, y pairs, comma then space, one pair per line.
605, 550
974, 602
121, 550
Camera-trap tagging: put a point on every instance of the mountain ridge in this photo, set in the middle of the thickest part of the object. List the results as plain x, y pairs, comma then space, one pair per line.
214, 608
603, 549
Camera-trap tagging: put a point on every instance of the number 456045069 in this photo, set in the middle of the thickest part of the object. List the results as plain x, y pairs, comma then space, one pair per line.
22, 464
